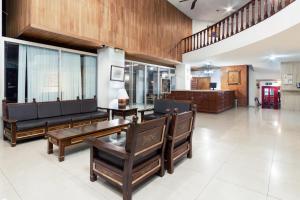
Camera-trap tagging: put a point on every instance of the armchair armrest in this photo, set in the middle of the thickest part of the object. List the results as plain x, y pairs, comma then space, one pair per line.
114, 150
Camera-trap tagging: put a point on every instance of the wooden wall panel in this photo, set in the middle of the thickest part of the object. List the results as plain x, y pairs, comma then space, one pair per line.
200, 83
241, 90
19, 18
143, 28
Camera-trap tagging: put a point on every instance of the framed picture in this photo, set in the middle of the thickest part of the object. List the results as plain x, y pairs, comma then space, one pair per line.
234, 77
117, 73
165, 86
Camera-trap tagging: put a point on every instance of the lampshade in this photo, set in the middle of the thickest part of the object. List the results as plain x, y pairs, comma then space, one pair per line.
122, 94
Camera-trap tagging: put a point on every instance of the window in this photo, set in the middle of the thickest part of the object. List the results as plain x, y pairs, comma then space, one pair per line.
45, 74
89, 77
70, 76
42, 74
142, 82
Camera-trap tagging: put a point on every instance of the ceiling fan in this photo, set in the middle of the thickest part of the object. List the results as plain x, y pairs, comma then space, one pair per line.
193, 4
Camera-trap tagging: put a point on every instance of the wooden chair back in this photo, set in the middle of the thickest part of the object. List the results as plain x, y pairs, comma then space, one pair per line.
146, 138
182, 125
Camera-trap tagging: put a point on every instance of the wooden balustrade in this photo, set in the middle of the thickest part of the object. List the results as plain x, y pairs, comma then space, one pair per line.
250, 14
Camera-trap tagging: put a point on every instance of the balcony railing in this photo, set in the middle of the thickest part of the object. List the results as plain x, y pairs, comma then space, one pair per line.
247, 16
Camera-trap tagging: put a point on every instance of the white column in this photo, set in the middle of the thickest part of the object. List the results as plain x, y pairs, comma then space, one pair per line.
106, 89
1, 70
183, 77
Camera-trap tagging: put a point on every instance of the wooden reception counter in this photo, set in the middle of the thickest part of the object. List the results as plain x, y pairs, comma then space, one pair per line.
208, 101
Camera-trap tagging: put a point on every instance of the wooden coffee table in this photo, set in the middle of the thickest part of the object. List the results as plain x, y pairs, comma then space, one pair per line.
67, 137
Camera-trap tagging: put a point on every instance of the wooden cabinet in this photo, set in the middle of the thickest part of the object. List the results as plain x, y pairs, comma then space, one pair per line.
207, 101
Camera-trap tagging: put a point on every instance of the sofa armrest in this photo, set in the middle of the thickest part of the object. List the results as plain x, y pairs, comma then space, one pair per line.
114, 150
10, 121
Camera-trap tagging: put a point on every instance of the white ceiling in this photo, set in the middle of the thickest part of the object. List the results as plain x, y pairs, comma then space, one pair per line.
205, 10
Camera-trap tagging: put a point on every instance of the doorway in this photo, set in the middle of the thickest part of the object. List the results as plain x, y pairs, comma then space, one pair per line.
271, 97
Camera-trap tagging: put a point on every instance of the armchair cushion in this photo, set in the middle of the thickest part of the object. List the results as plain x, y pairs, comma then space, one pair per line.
22, 112
49, 109
71, 107
161, 105
117, 162
30, 124
153, 116
98, 114
88, 105
58, 120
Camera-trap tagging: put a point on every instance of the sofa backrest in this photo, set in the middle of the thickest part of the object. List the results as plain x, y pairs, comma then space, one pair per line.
88, 105
161, 105
22, 111
49, 109
70, 107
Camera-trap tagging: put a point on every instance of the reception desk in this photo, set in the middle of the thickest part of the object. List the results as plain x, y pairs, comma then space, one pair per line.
207, 100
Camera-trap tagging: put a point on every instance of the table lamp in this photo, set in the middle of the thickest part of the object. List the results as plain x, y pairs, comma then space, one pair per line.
122, 98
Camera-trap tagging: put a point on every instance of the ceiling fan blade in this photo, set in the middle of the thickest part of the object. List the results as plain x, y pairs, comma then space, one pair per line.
194, 4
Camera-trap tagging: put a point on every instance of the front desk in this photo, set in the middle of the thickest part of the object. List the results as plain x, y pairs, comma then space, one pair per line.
208, 101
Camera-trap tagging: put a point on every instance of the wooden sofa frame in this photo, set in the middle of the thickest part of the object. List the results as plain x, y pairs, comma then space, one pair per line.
10, 127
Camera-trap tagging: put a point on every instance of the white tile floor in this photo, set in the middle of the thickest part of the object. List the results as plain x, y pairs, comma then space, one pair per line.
243, 154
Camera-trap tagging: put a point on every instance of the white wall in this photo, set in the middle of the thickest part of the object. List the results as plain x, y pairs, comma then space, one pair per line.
107, 90
199, 25
183, 77
290, 94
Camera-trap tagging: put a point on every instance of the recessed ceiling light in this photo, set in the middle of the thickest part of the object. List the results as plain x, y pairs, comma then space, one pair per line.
229, 9
272, 57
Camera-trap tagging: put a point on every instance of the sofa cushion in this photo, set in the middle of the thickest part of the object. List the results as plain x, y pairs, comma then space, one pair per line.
80, 117
88, 105
58, 120
71, 107
161, 105
49, 109
181, 106
22, 111
30, 124
153, 116
116, 162
98, 115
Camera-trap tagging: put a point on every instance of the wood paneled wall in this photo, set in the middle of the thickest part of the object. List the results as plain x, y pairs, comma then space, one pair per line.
200, 83
242, 89
144, 28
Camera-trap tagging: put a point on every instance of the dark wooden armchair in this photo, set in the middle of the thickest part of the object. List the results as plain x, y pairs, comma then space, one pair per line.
127, 164
179, 139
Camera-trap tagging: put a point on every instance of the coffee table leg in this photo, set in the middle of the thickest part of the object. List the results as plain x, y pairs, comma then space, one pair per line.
50, 147
61, 156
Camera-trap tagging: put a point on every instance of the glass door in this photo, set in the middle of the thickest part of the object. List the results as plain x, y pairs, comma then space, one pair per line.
164, 82
151, 85
138, 84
